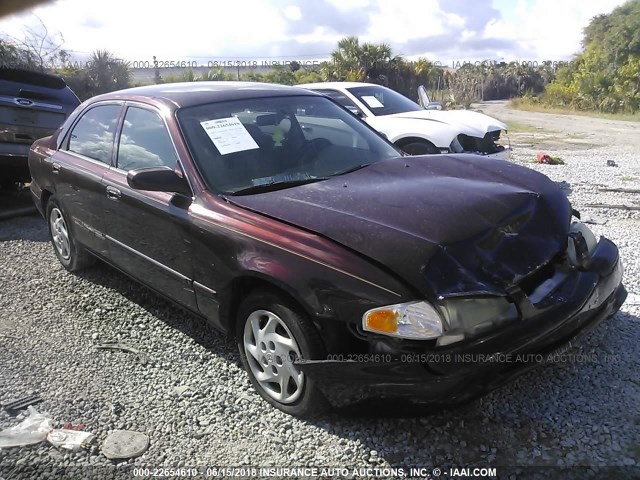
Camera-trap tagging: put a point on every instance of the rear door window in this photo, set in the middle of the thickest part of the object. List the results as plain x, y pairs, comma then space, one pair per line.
93, 135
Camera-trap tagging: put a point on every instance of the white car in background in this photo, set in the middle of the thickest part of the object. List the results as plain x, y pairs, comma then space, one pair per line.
416, 130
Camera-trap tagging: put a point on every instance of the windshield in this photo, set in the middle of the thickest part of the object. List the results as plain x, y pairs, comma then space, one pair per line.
252, 145
383, 101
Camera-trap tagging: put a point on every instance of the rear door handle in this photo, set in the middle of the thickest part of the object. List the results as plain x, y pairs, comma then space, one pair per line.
113, 193
56, 167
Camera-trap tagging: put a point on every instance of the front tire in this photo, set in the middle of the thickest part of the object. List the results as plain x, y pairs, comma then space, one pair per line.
72, 256
272, 332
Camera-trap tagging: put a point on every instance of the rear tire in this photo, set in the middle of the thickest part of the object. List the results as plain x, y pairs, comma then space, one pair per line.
72, 255
272, 332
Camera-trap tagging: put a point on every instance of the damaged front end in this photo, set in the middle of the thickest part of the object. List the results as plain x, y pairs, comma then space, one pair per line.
487, 340
494, 262
488, 145
577, 280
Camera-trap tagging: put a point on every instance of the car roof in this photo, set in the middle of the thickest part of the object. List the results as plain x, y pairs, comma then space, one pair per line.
339, 85
186, 94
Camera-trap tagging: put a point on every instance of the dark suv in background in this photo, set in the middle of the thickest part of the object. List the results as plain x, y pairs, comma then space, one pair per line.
32, 105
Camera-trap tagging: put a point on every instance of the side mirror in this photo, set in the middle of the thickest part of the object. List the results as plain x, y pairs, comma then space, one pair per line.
434, 106
158, 179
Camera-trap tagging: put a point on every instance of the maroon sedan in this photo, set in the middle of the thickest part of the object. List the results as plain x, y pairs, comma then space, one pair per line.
344, 270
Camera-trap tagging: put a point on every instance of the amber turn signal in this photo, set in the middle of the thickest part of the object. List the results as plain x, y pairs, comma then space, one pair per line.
382, 321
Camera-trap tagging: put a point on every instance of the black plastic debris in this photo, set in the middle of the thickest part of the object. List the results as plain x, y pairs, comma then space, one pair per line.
13, 406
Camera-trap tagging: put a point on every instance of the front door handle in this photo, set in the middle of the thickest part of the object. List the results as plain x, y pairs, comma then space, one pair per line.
56, 167
113, 193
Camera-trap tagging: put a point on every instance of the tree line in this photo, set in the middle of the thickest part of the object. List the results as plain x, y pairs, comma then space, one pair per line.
376, 63
605, 76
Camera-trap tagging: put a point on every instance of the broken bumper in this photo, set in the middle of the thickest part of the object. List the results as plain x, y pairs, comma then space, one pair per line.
458, 373
502, 155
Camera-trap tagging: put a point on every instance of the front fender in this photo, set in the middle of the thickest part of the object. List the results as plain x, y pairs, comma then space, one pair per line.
440, 134
328, 280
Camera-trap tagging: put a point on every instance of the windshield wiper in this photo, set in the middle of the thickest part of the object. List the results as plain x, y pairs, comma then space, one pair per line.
271, 186
278, 185
352, 169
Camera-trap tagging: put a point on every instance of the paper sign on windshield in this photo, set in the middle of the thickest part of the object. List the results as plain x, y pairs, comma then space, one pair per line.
372, 101
229, 135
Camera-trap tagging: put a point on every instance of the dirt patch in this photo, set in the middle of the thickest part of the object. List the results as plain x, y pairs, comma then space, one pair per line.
556, 130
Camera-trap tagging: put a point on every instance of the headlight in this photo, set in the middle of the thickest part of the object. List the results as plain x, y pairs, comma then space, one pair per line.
414, 320
589, 238
466, 317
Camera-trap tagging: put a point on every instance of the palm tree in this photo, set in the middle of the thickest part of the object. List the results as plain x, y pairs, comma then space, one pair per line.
107, 73
345, 61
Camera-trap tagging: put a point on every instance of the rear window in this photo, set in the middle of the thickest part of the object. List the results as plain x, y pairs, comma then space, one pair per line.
32, 77
38, 87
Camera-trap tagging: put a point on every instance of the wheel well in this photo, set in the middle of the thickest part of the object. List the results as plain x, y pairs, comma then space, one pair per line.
44, 198
407, 140
239, 289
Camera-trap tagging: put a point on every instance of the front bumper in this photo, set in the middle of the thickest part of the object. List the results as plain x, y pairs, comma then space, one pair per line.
460, 372
501, 155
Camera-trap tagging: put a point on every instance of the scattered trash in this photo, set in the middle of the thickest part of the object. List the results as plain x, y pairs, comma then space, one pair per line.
33, 429
125, 444
20, 403
116, 346
617, 207
182, 389
611, 163
246, 397
543, 157
123, 347
623, 190
70, 426
70, 439
593, 220
116, 408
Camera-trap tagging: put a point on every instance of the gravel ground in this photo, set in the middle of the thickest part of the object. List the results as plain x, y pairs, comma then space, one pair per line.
580, 412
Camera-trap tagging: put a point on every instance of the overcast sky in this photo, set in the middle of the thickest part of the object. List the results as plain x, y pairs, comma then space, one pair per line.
443, 30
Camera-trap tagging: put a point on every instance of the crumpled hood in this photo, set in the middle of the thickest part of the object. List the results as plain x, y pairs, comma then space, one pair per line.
470, 123
448, 225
